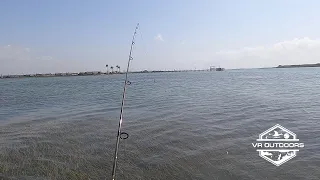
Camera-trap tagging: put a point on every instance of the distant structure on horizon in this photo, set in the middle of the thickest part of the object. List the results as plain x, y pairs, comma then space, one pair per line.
298, 65
213, 68
94, 73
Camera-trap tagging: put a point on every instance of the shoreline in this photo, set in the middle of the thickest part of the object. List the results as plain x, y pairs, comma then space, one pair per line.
91, 73
298, 66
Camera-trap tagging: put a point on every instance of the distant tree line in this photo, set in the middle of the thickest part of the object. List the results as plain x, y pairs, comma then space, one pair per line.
111, 67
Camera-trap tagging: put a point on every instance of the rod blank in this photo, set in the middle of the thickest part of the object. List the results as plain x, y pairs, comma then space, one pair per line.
126, 82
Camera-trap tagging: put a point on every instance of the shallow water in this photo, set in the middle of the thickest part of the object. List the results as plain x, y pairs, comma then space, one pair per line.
188, 125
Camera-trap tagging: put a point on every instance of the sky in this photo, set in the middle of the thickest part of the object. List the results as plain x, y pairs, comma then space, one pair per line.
39, 36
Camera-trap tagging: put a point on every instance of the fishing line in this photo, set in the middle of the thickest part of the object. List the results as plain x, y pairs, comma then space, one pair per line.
143, 43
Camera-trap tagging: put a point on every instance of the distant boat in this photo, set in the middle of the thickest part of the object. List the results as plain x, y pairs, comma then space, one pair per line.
276, 134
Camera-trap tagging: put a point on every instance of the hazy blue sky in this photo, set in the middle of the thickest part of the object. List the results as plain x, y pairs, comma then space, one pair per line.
81, 35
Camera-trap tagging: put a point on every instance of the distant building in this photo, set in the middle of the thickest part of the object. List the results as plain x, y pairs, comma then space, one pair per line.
213, 68
88, 73
96, 72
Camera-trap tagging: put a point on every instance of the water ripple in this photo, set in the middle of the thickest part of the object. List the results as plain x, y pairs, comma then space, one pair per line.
195, 125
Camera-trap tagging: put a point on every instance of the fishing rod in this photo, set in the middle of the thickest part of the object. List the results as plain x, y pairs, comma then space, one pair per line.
126, 82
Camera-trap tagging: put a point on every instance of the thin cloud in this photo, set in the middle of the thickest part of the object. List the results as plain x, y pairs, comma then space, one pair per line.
45, 58
21, 60
12, 53
296, 51
183, 42
295, 45
159, 38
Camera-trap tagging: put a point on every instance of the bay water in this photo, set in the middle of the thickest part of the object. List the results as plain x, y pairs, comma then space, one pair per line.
181, 125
